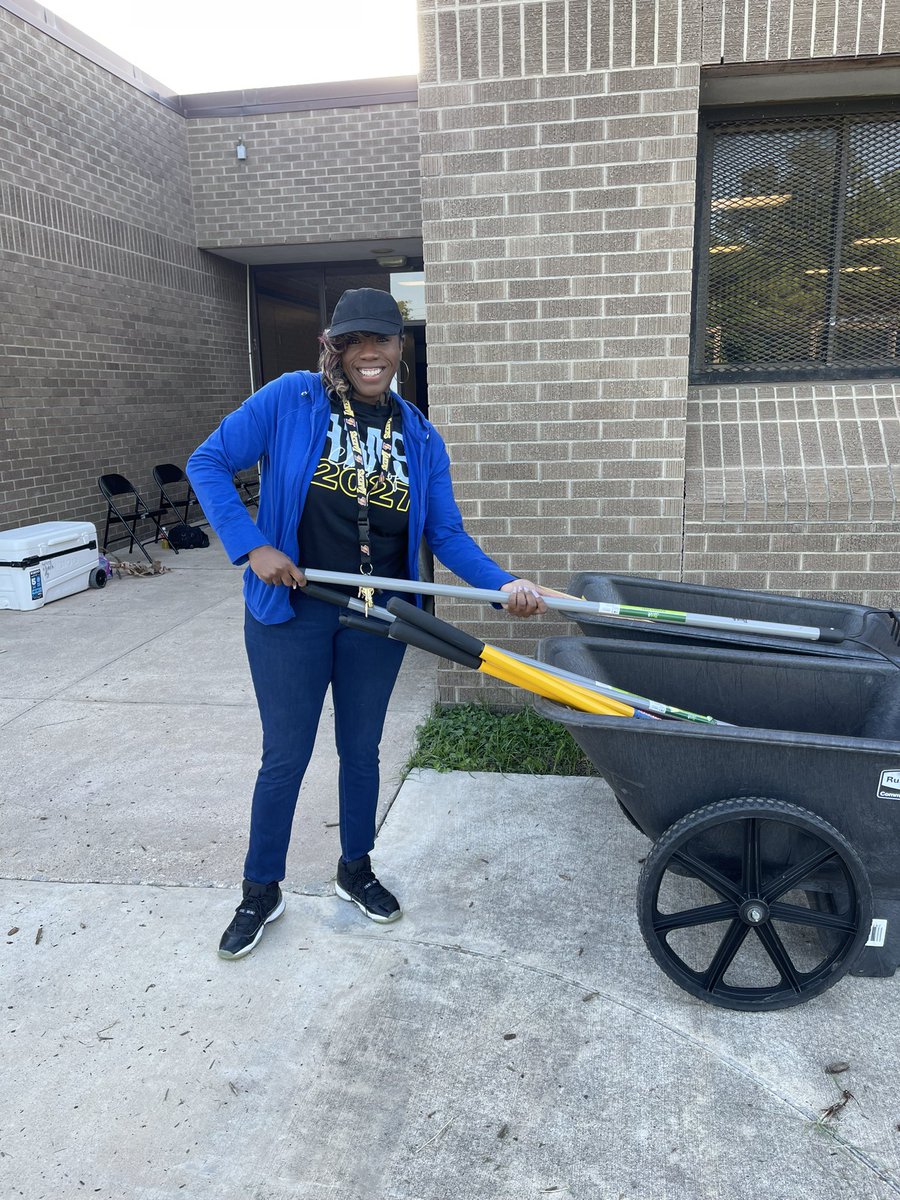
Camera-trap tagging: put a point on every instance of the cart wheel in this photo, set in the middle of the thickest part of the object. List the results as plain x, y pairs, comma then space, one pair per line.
754, 864
97, 578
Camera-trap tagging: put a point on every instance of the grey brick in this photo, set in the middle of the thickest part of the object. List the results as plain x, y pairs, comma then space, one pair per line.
233, 201
110, 311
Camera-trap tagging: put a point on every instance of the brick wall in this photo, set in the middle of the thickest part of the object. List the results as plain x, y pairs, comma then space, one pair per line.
324, 175
123, 343
559, 149
558, 224
795, 488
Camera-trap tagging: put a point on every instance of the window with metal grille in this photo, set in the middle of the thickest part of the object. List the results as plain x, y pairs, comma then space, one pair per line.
797, 271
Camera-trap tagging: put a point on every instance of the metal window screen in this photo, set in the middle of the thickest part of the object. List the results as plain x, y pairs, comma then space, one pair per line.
798, 267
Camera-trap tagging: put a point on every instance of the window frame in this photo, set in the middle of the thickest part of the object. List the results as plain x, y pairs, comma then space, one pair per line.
700, 373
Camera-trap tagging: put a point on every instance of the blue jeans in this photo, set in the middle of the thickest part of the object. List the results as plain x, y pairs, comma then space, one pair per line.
292, 665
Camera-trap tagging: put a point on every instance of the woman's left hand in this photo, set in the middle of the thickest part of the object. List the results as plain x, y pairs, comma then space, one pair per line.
525, 598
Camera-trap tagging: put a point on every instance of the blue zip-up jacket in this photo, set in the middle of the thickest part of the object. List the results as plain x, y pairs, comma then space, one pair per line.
283, 427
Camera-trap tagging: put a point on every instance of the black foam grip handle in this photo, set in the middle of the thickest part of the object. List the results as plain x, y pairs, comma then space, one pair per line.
414, 636
830, 635
371, 625
329, 595
440, 629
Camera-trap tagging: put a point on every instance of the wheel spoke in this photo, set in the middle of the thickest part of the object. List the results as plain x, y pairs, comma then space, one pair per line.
710, 876
751, 877
794, 875
724, 956
775, 949
664, 922
796, 914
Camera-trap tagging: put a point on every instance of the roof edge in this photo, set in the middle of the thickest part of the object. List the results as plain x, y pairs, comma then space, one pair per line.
345, 93
349, 93
61, 31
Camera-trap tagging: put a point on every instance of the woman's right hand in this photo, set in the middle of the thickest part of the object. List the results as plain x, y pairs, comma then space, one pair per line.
271, 566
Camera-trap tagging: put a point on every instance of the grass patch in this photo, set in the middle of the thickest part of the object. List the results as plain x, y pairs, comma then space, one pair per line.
474, 737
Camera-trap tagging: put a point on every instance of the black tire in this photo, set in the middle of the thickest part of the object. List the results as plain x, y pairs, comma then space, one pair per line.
97, 578
724, 847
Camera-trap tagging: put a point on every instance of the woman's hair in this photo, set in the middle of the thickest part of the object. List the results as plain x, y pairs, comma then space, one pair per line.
330, 365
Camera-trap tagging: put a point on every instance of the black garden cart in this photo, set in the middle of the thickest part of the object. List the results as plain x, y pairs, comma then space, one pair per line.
775, 867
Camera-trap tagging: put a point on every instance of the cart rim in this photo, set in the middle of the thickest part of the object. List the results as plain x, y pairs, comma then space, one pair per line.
750, 904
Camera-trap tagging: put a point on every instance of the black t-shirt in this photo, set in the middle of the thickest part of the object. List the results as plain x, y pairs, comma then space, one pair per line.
328, 533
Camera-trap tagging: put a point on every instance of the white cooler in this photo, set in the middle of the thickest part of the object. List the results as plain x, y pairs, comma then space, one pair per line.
45, 562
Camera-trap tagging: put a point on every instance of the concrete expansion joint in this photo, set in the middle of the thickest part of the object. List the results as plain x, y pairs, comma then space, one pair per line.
857, 1153
192, 703
112, 883
325, 890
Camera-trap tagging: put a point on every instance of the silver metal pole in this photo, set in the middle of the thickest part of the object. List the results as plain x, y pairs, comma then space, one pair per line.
416, 587
375, 610
807, 633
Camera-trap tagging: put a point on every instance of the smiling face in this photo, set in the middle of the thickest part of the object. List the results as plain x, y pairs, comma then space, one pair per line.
370, 362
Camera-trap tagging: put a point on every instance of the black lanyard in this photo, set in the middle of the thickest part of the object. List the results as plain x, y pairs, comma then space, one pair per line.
366, 566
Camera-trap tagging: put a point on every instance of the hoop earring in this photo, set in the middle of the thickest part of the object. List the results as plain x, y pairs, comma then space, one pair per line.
400, 376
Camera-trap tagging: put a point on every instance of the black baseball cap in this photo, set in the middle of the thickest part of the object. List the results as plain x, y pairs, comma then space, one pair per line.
366, 310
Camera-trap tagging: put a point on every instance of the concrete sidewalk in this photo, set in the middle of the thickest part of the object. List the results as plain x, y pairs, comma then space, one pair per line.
509, 1038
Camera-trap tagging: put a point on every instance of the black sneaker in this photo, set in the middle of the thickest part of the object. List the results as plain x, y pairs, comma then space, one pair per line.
262, 903
356, 882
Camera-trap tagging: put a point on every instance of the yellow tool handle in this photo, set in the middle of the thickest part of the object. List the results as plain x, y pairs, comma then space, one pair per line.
501, 666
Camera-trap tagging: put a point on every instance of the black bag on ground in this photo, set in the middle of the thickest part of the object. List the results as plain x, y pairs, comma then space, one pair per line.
187, 537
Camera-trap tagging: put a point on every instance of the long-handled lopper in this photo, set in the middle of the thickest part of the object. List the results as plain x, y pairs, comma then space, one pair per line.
378, 621
418, 628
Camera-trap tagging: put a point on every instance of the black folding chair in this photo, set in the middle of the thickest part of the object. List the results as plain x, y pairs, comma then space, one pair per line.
248, 488
171, 480
117, 490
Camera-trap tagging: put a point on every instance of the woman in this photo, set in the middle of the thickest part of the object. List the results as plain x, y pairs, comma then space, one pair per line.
352, 478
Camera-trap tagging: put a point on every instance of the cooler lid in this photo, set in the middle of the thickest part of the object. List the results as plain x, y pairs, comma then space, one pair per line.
49, 535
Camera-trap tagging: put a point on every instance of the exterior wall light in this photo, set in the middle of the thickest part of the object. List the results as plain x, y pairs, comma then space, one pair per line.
240, 149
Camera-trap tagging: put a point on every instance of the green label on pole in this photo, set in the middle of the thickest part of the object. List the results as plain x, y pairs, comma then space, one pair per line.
652, 614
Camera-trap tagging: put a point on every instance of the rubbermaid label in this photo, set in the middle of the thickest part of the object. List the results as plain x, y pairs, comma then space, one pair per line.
889, 785
878, 932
